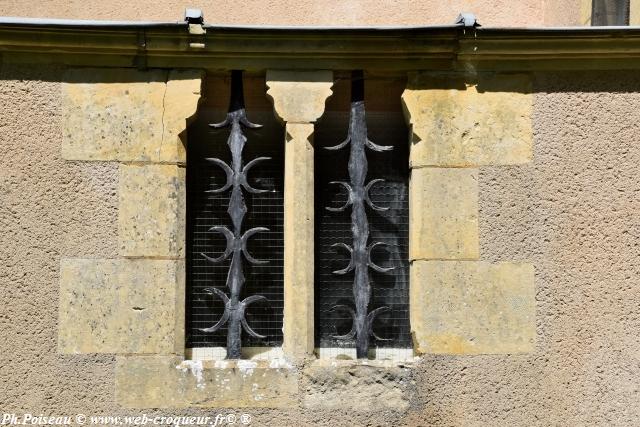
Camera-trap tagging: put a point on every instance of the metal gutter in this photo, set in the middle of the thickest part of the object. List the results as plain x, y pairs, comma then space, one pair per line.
12, 20
329, 28
80, 23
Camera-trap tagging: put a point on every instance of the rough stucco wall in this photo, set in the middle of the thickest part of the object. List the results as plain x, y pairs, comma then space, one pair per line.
292, 12
49, 209
565, 13
572, 213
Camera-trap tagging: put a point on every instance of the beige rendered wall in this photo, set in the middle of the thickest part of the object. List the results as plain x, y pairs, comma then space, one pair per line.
505, 13
572, 213
566, 13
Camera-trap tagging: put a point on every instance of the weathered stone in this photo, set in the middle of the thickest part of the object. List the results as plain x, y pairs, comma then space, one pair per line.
443, 213
121, 306
470, 307
585, 13
355, 386
299, 100
170, 382
151, 217
634, 13
299, 96
127, 115
180, 106
457, 124
298, 241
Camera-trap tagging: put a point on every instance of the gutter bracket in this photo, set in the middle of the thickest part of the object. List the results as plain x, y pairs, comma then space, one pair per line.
467, 20
140, 60
195, 20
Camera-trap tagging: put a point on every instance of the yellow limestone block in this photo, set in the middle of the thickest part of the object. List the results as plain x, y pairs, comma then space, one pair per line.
151, 216
121, 306
128, 115
443, 213
471, 307
458, 124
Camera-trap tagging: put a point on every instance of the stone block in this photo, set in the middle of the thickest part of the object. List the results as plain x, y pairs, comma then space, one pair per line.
126, 114
180, 106
470, 307
151, 217
370, 386
299, 96
170, 382
121, 306
458, 124
443, 213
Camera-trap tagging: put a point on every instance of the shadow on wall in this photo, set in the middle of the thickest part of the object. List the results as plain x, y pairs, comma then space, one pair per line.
483, 82
572, 81
615, 81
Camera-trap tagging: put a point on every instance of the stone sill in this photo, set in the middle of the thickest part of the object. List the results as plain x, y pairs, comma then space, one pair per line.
172, 382
220, 353
375, 354
324, 353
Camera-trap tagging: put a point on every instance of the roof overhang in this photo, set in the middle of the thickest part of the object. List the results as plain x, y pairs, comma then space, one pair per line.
385, 49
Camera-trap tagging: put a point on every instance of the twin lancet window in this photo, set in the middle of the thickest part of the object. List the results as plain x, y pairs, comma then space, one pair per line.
235, 251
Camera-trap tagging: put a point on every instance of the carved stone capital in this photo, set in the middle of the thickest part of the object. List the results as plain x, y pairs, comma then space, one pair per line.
299, 96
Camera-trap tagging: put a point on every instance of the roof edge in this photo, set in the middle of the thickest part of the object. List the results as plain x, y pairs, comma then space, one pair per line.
396, 49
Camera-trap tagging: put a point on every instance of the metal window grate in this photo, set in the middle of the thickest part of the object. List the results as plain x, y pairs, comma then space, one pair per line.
205, 210
392, 227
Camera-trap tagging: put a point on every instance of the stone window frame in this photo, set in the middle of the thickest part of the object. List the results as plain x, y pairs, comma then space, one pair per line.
133, 306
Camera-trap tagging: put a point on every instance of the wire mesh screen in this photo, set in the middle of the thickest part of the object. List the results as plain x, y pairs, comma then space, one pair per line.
392, 227
205, 210
610, 12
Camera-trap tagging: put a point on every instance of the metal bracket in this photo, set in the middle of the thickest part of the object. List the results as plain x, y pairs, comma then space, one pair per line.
467, 20
195, 21
140, 60
193, 16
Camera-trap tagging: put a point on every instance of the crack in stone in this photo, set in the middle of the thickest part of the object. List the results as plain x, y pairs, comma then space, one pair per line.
164, 97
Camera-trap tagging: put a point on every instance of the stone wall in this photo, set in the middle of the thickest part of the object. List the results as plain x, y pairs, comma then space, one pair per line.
460, 305
570, 212
137, 120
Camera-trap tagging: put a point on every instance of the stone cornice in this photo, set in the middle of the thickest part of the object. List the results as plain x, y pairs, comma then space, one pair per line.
383, 49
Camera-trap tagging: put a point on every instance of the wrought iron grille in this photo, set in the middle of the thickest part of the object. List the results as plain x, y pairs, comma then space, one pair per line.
389, 289
206, 209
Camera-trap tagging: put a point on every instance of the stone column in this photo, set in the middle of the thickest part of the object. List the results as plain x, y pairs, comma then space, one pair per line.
298, 100
459, 304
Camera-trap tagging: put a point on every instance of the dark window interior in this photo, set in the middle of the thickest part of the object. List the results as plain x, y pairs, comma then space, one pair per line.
386, 126
205, 210
610, 12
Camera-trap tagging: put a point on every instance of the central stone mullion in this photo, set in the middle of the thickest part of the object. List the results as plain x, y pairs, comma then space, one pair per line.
299, 100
